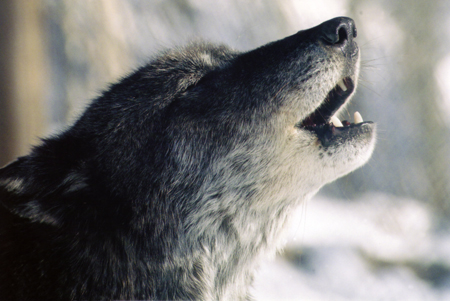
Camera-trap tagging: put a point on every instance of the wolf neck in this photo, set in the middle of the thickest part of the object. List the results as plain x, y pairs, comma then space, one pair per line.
235, 241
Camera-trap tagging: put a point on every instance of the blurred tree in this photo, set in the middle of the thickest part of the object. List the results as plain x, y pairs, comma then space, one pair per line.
419, 87
22, 85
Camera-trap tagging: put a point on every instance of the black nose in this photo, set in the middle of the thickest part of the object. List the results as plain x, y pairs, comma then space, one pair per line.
338, 32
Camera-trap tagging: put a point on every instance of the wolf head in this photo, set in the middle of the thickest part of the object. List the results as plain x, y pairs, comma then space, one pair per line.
205, 146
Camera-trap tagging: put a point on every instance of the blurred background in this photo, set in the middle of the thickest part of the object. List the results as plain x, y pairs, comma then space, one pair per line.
382, 232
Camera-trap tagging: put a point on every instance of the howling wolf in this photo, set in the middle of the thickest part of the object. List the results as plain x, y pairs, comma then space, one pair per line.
178, 179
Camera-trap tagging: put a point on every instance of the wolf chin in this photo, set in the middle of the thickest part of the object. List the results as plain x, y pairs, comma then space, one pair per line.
177, 180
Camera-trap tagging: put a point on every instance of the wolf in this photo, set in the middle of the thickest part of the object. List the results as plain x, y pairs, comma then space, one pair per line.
180, 178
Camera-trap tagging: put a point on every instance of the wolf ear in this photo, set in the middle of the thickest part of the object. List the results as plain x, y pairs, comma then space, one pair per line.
18, 194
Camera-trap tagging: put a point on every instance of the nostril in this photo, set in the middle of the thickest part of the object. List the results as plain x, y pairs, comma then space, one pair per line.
338, 31
342, 35
339, 36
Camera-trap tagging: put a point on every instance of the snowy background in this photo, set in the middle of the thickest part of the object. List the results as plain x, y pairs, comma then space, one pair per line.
377, 247
381, 233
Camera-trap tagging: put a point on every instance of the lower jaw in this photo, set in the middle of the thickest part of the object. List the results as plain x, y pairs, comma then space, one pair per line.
330, 135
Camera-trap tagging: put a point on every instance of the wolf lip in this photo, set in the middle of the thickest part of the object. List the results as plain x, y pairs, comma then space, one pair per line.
329, 135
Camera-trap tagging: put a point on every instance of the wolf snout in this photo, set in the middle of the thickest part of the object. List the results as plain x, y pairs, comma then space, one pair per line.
339, 32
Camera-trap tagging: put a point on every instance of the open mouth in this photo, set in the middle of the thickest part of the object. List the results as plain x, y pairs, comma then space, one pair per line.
323, 120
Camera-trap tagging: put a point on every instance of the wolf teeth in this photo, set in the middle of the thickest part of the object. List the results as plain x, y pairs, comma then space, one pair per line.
335, 121
357, 117
342, 85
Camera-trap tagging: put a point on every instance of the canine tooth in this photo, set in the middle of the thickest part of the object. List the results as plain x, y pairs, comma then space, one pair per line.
335, 121
342, 85
357, 117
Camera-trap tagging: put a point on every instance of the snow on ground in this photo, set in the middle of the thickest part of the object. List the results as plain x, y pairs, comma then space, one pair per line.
379, 247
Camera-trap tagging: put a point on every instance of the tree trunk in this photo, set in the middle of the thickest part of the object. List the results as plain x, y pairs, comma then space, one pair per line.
23, 74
